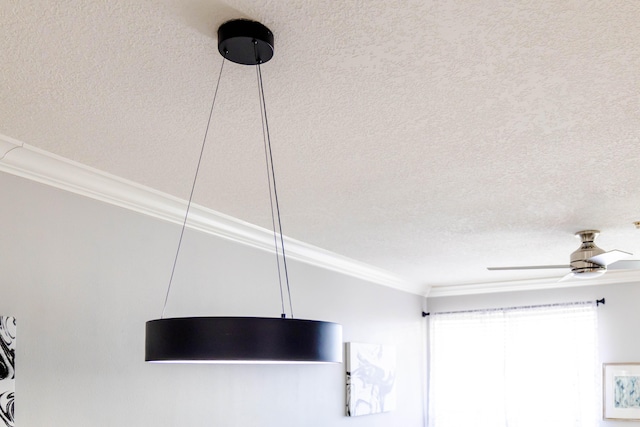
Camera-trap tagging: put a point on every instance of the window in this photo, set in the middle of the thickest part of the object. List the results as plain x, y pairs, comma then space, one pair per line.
520, 367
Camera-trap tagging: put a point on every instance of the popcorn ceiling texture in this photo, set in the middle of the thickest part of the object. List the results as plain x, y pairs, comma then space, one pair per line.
431, 139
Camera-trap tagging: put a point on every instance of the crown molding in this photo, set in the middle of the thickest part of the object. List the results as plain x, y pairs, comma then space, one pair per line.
609, 278
23, 160
8, 144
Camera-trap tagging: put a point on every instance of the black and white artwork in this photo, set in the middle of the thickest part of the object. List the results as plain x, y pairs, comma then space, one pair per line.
371, 378
7, 370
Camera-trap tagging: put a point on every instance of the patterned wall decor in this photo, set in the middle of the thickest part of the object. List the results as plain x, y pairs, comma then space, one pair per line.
7, 370
371, 374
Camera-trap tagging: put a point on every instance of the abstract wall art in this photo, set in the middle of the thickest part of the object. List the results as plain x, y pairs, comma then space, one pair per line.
371, 377
621, 394
7, 370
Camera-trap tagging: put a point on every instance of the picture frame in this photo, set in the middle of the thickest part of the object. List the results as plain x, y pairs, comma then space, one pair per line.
370, 378
621, 391
7, 370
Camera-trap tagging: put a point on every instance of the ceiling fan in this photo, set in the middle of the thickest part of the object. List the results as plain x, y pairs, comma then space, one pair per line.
588, 260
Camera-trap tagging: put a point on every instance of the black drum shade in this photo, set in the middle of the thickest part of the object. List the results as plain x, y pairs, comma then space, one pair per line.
242, 340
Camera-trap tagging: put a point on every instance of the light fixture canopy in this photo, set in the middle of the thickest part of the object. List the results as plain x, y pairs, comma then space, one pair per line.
245, 42
244, 339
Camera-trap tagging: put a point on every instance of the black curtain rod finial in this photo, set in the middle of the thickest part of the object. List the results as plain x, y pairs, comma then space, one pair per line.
599, 301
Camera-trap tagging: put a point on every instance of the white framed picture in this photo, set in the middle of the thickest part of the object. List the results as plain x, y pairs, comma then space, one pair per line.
621, 391
371, 378
7, 370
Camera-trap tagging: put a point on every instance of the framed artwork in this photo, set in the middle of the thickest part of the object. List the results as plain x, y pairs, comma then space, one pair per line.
371, 377
7, 370
621, 391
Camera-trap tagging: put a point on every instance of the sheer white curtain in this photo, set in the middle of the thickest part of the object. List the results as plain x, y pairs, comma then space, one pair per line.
515, 367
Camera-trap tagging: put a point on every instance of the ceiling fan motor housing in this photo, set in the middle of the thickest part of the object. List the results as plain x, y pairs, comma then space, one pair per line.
579, 264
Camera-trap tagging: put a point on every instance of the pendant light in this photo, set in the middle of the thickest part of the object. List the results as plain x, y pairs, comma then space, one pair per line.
244, 339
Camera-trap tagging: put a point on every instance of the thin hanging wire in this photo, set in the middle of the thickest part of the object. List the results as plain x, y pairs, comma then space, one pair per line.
267, 137
273, 219
193, 186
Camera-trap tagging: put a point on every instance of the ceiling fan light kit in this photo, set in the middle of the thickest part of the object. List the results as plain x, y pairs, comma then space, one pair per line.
589, 260
244, 339
581, 263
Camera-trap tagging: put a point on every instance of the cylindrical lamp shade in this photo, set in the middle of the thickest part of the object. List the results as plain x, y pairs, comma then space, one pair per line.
242, 340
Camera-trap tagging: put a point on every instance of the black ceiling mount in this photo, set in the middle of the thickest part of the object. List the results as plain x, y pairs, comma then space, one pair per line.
245, 42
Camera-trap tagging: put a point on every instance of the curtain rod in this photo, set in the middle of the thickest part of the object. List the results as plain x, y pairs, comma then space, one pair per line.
598, 302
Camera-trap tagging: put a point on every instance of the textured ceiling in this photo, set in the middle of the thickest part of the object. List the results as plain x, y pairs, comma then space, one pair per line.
431, 139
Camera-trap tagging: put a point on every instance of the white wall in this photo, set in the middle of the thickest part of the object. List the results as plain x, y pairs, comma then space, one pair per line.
82, 278
618, 319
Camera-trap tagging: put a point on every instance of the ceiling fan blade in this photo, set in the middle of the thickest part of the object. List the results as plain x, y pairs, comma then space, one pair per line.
609, 257
567, 277
628, 264
529, 267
